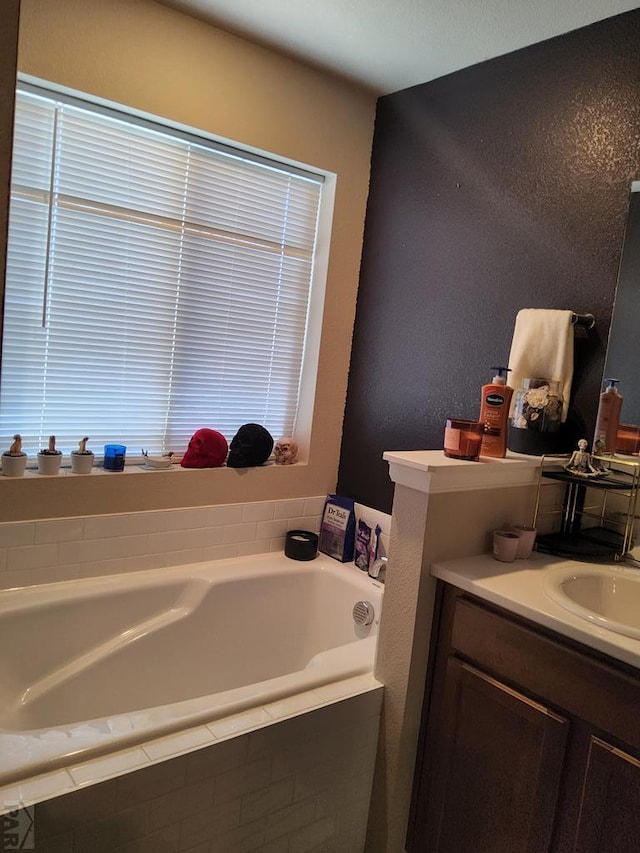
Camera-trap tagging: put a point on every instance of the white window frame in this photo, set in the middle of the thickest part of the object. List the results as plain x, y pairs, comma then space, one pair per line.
308, 378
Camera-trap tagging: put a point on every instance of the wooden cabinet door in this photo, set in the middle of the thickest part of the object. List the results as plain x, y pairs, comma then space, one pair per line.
609, 819
495, 769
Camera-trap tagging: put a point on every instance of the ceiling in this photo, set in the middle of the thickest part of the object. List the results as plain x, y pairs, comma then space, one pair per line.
389, 45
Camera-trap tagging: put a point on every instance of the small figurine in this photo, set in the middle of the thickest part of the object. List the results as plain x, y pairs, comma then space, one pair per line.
286, 451
16, 447
250, 447
207, 449
82, 459
49, 459
580, 463
162, 461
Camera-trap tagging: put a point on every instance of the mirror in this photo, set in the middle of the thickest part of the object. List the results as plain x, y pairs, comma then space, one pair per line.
624, 335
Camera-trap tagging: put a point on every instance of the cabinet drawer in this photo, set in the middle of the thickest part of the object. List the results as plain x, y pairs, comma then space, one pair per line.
521, 655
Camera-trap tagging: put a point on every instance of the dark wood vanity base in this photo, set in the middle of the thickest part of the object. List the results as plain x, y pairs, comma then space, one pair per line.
529, 741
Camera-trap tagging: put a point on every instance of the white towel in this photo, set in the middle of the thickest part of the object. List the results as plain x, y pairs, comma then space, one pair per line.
542, 347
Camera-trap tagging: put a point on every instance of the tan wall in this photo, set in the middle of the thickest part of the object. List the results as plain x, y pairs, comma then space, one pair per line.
8, 59
155, 59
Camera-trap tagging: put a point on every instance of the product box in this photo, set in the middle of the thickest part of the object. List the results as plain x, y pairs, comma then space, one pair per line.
337, 531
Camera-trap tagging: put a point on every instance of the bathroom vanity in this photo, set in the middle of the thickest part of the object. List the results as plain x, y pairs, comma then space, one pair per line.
530, 732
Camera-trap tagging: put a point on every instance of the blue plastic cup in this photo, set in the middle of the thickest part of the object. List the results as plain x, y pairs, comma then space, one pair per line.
114, 457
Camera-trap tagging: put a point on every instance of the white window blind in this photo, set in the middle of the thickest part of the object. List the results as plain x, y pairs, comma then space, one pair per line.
156, 283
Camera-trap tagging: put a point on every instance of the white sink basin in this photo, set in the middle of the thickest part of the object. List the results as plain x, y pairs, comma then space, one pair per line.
603, 595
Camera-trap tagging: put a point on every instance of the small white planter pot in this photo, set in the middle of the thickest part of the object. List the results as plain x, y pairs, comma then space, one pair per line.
49, 463
14, 466
81, 463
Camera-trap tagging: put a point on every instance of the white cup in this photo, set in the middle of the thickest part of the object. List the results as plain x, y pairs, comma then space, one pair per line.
505, 545
526, 538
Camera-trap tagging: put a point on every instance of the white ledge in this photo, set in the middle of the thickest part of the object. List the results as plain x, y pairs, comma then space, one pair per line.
432, 472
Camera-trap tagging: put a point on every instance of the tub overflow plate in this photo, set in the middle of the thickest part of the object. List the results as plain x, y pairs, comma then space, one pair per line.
363, 613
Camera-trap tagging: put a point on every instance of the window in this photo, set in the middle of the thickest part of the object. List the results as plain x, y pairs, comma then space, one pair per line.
157, 282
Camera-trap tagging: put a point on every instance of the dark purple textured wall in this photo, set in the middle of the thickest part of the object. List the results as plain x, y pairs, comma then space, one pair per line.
499, 187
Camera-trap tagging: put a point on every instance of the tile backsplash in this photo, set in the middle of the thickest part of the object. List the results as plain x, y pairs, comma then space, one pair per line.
33, 552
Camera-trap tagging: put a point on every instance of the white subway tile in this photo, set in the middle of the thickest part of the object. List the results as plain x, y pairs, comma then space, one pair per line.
314, 506
9, 580
240, 532
289, 508
303, 523
312, 836
130, 524
251, 776
52, 574
258, 511
207, 824
169, 809
219, 552
258, 804
276, 544
288, 819
178, 743
204, 537
341, 689
258, 546
241, 839
206, 763
105, 768
118, 566
243, 722
16, 533
180, 558
59, 530
169, 540
93, 550
271, 529
292, 705
32, 557
187, 519
226, 514
45, 786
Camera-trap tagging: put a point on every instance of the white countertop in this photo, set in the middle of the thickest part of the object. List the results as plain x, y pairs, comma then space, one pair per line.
518, 587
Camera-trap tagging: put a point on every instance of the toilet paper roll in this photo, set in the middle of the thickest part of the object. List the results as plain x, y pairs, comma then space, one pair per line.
301, 545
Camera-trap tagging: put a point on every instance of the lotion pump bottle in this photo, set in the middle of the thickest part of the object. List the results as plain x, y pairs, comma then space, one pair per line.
494, 414
608, 419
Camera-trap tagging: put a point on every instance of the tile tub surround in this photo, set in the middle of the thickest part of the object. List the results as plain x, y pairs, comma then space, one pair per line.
44, 551
299, 784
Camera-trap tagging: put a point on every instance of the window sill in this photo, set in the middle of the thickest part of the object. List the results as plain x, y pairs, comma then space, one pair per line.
99, 471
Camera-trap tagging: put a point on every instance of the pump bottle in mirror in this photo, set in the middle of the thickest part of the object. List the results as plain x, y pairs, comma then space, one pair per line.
608, 418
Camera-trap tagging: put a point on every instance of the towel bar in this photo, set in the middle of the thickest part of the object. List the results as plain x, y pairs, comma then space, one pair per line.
588, 321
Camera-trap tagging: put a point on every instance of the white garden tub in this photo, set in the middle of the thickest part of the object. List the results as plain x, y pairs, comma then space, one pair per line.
90, 666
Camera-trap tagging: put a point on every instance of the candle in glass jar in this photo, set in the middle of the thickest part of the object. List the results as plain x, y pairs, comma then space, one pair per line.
462, 439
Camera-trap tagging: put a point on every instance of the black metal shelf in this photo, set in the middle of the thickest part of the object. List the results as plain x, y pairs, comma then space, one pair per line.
574, 540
